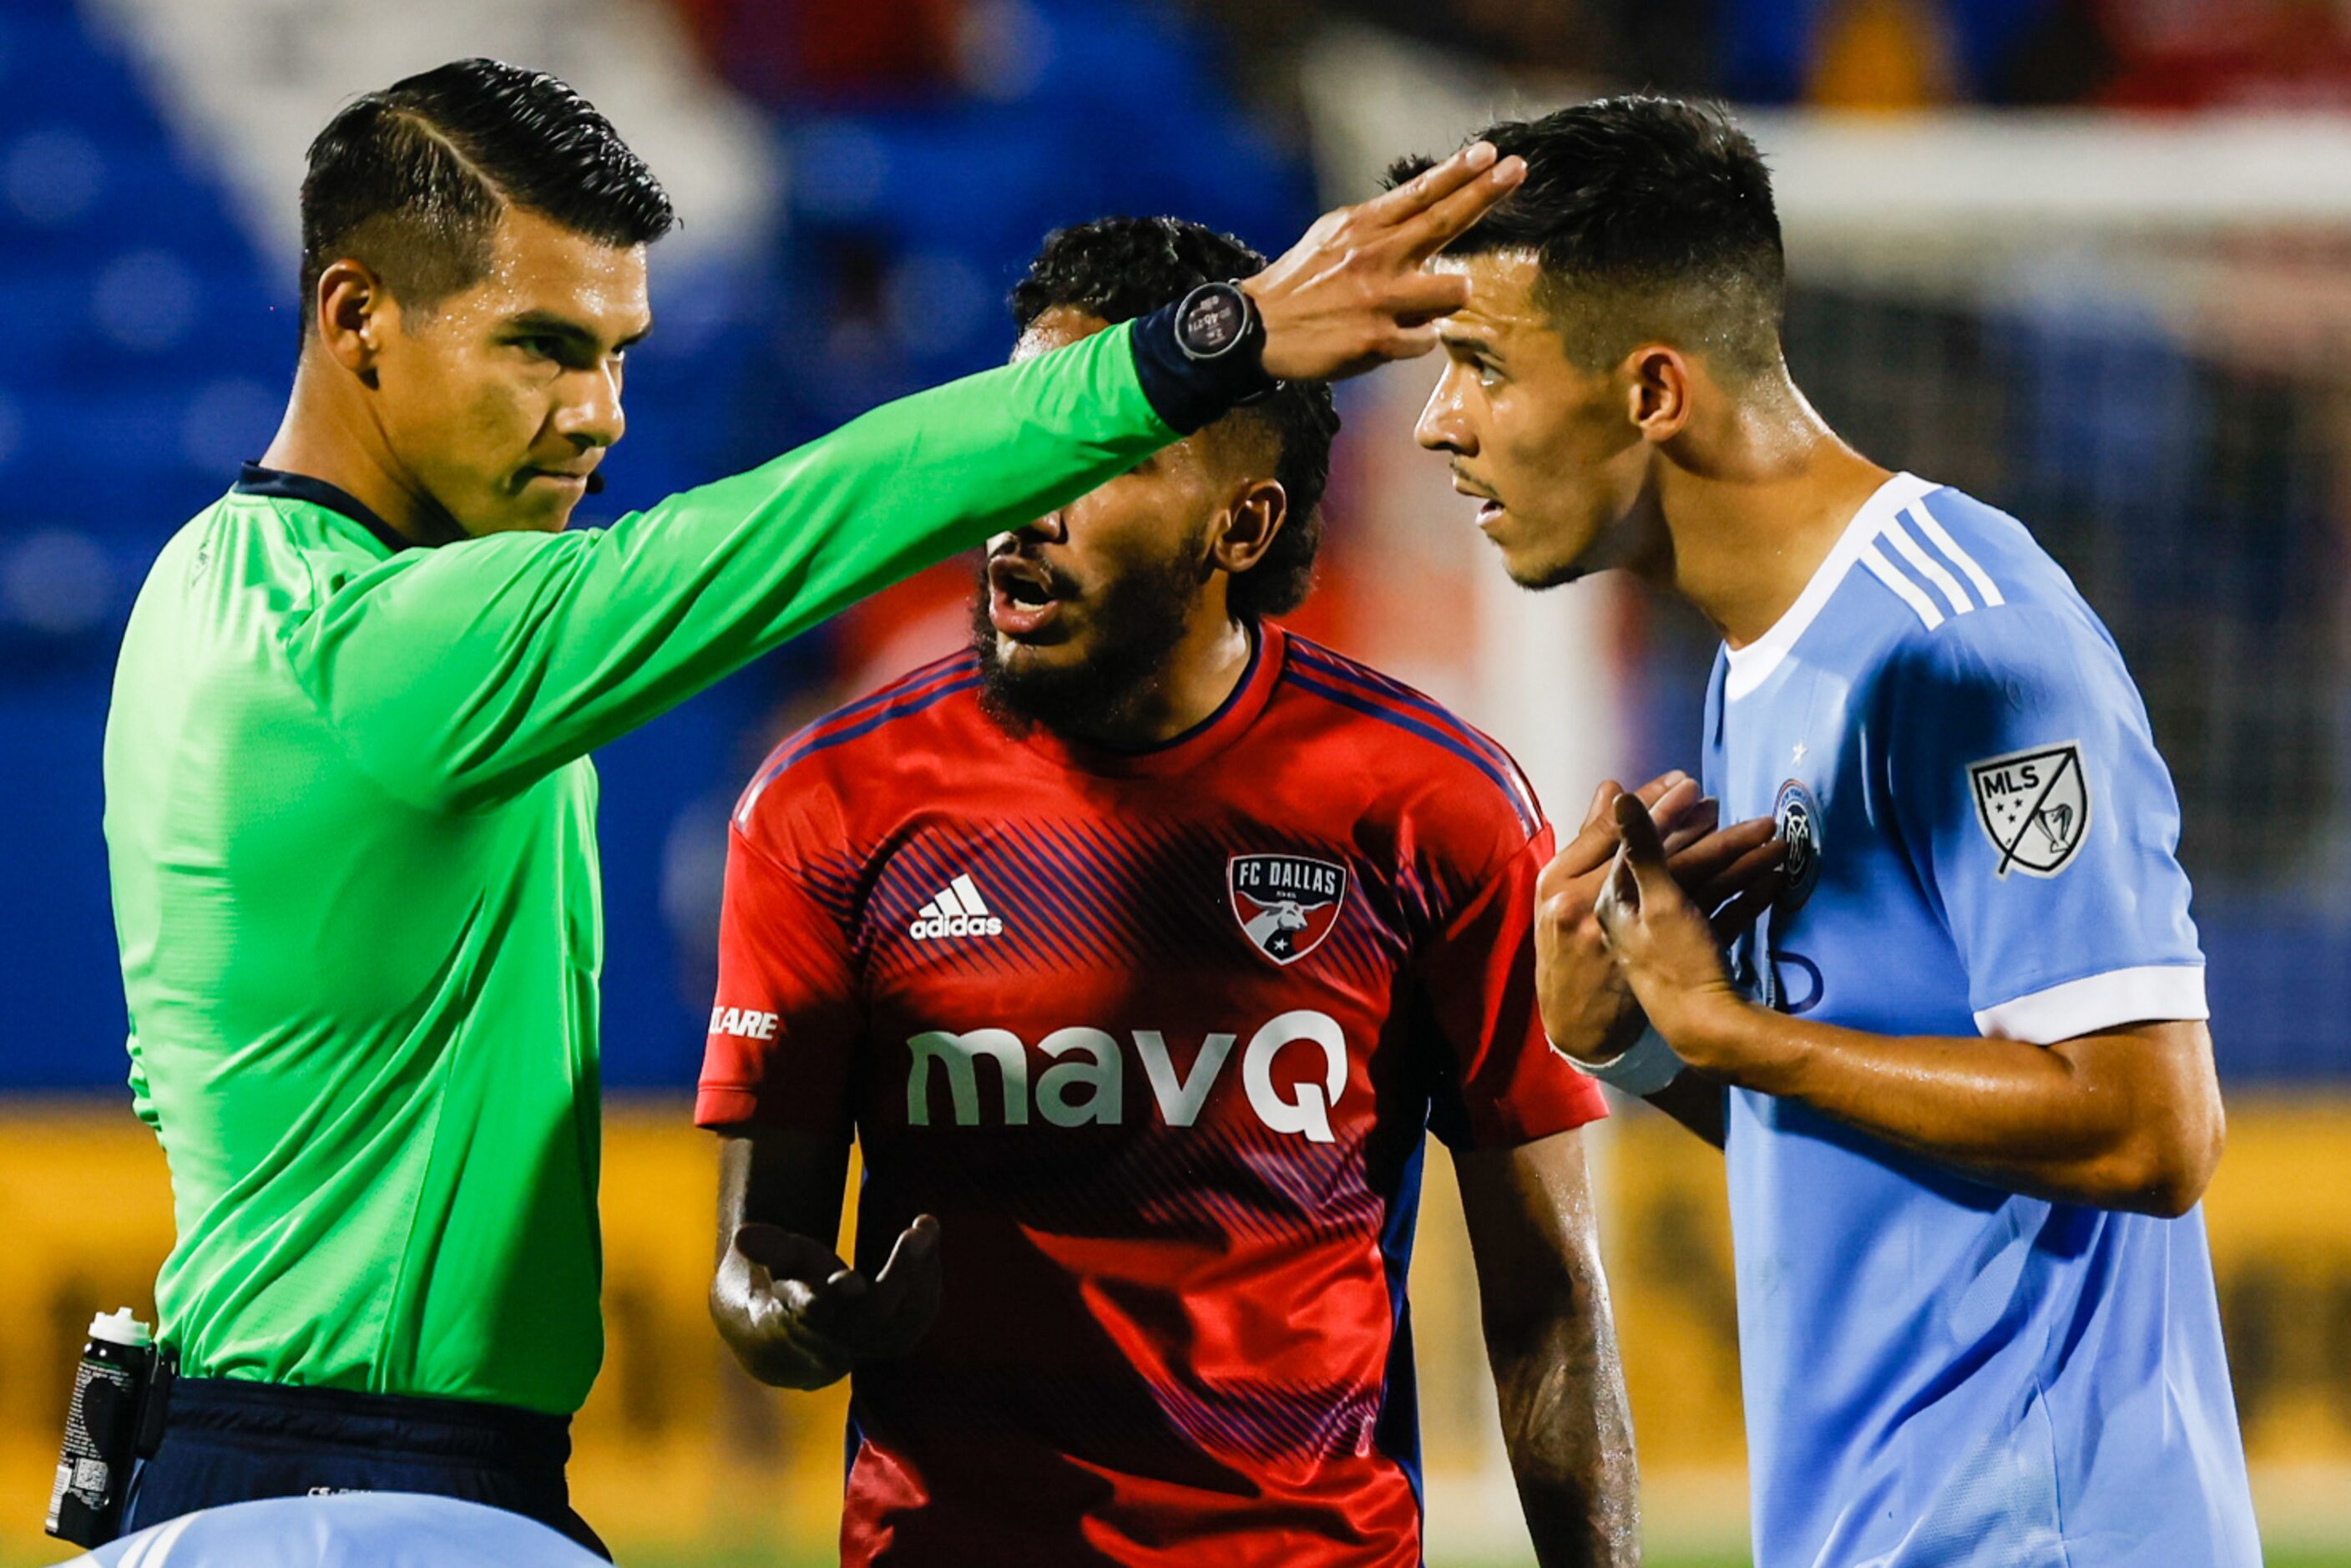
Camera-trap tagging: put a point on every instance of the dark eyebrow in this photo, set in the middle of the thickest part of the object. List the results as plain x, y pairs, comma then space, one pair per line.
1463, 343
546, 323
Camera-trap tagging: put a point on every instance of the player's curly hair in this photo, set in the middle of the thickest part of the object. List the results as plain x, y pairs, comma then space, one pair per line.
1651, 218
1120, 269
411, 180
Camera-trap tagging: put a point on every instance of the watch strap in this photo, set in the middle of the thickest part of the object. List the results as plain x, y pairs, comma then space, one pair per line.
1187, 392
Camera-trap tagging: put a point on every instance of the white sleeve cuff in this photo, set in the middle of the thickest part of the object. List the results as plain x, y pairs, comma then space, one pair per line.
1648, 1066
2159, 991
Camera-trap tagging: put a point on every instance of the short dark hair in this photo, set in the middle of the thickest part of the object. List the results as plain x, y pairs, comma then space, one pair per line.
412, 180
1120, 269
1653, 216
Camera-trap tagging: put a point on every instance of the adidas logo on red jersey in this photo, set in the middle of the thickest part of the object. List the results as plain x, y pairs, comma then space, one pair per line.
958, 910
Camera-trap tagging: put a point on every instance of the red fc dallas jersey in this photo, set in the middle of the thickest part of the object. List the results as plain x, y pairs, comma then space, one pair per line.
1156, 1035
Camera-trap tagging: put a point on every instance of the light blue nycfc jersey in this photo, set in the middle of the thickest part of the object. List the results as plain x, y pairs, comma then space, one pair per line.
1982, 836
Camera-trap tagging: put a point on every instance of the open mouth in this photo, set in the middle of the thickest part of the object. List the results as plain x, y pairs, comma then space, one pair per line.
1488, 508
1022, 598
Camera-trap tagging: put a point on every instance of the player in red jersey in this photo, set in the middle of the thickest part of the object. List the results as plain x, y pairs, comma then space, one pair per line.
1141, 945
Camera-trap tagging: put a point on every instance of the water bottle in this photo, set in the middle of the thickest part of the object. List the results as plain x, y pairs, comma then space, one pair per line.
102, 1430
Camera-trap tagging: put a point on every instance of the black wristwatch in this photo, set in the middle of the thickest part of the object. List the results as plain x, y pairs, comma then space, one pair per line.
1202, 357
1220, 320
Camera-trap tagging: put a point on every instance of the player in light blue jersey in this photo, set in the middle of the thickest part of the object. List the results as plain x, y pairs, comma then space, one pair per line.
1958, 1067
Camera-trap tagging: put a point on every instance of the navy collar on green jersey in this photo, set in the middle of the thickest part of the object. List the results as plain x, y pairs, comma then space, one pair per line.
252, 479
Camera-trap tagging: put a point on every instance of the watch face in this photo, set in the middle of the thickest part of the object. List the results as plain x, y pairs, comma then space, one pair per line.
1212, 321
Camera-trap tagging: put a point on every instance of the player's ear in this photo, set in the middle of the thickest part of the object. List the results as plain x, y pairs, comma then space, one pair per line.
1249, 525
1657, 391
356, 314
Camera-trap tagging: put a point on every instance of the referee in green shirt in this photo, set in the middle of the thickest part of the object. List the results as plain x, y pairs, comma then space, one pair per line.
349, 811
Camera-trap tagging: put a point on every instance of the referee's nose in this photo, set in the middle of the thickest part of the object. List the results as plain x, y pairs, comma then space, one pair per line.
590, 414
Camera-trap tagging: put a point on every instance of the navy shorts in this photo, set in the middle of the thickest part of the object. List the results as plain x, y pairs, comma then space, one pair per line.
229, 1442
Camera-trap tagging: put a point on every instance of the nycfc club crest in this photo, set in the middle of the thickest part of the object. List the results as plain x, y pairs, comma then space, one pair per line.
1286, 903
2034, 807
1798, 816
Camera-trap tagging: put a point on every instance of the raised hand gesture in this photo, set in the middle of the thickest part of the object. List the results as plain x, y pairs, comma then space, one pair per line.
1353, 293
1589, 1009
1668, 949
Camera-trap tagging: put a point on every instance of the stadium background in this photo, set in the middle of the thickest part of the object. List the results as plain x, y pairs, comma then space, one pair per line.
2083, 257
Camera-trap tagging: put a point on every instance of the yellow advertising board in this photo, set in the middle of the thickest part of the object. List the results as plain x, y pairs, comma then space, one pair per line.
676, 1447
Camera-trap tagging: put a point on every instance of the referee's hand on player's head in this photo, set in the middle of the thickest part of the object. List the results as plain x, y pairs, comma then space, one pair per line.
1355, 292
804, 1318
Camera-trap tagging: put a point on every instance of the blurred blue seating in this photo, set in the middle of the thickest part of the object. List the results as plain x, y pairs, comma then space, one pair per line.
1768, 48
51, 63
127, 290
909, 223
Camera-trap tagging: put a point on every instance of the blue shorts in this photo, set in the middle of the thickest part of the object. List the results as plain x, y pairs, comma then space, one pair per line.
236, 1442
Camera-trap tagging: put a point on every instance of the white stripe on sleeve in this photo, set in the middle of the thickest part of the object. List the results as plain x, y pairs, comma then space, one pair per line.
2157, 992
1910, 593
1929, 568
1950, 547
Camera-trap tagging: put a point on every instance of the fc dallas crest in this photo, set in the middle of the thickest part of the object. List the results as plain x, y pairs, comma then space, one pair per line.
1286, 903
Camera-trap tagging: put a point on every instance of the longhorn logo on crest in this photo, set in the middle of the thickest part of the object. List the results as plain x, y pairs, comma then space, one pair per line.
1286, 903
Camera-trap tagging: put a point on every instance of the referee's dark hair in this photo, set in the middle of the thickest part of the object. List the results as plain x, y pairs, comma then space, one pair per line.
1120, 269
1651, 219
412, 180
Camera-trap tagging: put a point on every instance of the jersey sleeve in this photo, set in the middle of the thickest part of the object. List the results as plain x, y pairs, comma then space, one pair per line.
787, 1017
2023, 775
1500, 1082
458, 676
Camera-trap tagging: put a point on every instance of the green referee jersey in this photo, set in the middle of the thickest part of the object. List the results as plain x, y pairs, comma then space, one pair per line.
352, 828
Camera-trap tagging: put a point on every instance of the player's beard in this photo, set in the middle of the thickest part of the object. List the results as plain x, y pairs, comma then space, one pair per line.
1135, 623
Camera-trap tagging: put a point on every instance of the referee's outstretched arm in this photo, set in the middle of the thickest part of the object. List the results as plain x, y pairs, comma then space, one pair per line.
459, 676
